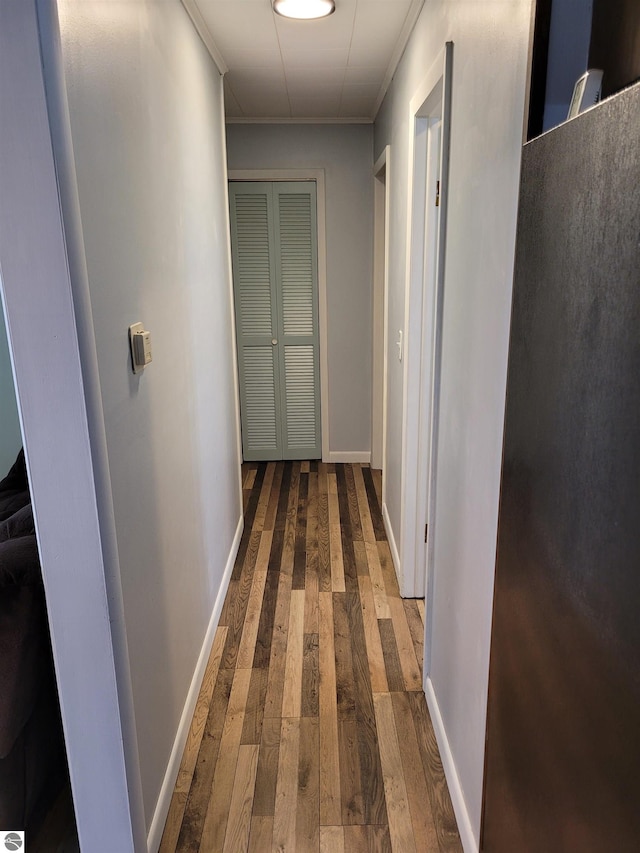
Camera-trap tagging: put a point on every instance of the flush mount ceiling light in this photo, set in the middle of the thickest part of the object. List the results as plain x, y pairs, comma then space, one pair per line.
304, 10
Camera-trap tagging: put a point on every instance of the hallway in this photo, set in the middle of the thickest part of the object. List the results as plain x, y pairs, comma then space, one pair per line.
311, 726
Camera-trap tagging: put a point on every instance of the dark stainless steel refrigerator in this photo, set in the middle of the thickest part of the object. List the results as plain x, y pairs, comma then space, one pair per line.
563, 731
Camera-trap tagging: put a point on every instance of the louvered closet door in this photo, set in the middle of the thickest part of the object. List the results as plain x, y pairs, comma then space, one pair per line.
276, 297
254, 281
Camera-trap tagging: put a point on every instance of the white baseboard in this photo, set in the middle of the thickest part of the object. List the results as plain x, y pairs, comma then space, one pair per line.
395, 555
469, 841
166, 792
362, 456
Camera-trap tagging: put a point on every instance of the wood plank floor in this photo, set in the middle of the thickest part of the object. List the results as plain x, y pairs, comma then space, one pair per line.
311, 731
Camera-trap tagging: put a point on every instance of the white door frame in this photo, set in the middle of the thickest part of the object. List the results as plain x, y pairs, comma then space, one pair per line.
316, 175
381, 200
426, 235
53, 355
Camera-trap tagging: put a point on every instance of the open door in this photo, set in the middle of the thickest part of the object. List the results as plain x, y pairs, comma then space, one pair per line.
381, 197
430, 111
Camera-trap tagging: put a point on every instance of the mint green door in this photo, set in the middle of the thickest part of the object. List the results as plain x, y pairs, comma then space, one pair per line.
275, 280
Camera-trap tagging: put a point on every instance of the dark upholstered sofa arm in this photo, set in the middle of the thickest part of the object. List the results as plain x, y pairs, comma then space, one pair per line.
23, 645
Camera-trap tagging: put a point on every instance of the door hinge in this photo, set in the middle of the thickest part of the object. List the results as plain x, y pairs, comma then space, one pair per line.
437, 193
426, 533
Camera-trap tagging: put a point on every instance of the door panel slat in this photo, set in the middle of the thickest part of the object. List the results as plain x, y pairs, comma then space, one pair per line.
260, 392
296, 260
253, 267
300, 395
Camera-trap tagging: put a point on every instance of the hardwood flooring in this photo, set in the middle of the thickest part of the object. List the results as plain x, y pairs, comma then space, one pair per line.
311, 731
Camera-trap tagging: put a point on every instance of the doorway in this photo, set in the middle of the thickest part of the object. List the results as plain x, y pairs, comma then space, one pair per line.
275, 271
381, 195
430, 121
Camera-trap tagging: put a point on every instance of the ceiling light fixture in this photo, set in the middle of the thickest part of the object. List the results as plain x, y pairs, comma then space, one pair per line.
304, 9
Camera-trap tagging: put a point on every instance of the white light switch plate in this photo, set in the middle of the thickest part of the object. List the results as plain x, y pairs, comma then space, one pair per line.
135, 329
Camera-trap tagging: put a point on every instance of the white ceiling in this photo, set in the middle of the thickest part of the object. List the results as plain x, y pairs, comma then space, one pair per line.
334, 69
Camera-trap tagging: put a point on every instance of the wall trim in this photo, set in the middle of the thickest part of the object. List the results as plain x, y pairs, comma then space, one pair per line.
232, 313
382, 216
205, 34
395, 554
424, 280
316, 175
469, 842
166, 791
413, 334
359, 456
282, 120
403, 39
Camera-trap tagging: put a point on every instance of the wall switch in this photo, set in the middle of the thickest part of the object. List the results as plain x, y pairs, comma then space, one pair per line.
140, 345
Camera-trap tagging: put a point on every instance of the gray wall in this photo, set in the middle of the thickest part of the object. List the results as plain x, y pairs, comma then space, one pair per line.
10, 438
345, 154
489, 80
146, 118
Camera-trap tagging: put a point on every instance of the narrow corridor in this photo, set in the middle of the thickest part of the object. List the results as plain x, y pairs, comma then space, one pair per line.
311, 731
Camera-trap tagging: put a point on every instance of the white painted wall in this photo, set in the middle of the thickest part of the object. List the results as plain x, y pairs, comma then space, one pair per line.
55, 406
10, 438
145, 104
345, 154
489, 80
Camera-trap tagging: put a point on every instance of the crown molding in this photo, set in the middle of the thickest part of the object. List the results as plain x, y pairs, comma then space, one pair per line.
205, 34
405, 34
281, 120
203, 31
